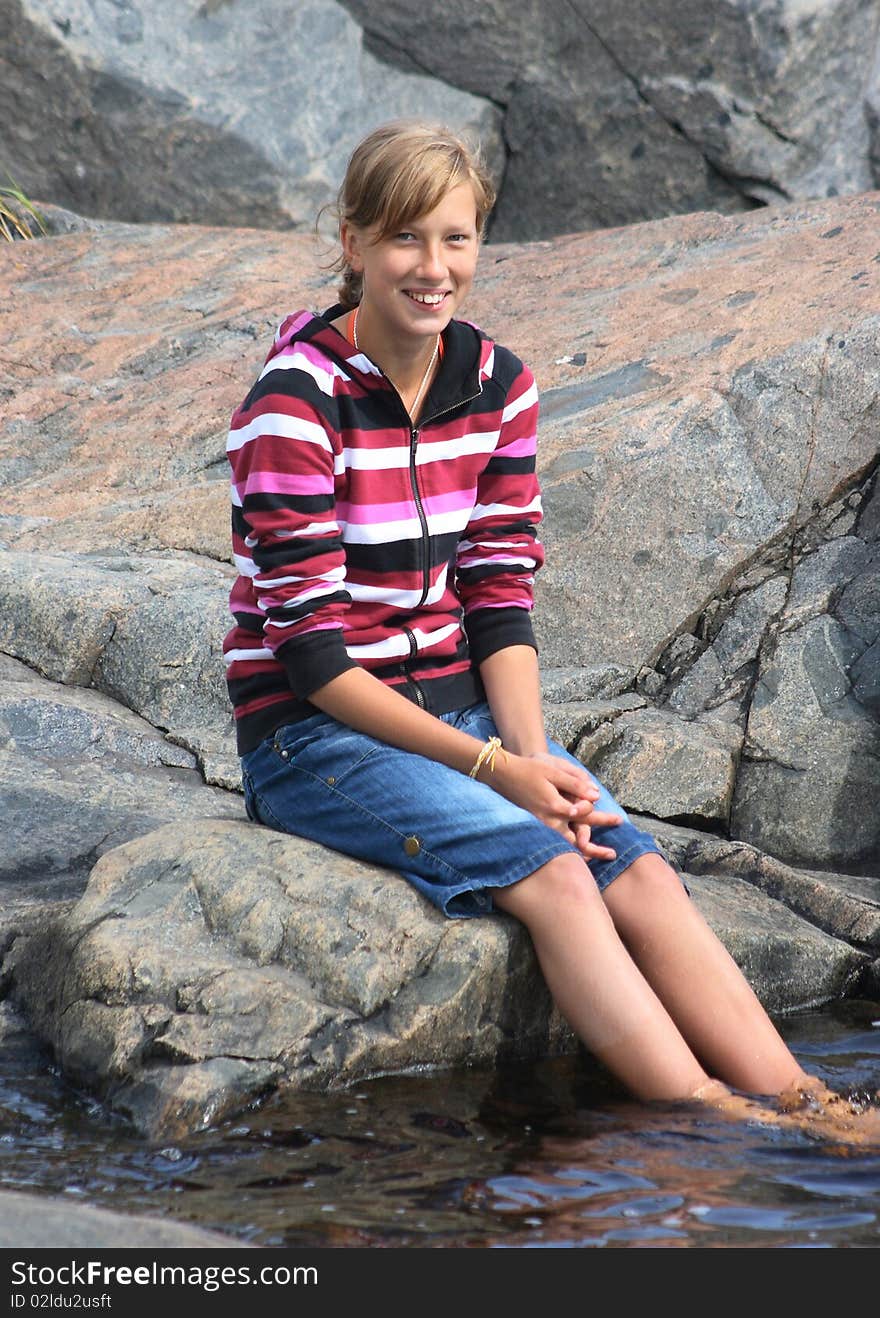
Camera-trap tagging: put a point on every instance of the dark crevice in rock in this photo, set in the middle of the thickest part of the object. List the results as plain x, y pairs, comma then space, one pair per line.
400, 57
742, 183
490, 222
767, 123
751, 186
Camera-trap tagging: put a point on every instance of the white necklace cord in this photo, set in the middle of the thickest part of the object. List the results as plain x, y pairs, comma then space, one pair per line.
415, 401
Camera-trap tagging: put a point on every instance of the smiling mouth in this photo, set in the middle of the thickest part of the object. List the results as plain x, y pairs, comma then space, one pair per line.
425, 299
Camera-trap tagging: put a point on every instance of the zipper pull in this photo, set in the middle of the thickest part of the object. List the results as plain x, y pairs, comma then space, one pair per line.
414, 436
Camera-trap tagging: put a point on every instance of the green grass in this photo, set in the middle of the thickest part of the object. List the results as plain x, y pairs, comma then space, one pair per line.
18, 214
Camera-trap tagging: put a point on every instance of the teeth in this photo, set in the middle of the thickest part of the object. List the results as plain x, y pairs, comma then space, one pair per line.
432, 299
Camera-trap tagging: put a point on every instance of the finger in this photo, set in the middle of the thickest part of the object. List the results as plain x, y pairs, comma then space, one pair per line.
575, 781
592, 851
588, 848
599, 818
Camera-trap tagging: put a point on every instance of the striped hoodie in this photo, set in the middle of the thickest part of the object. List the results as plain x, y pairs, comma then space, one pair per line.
362, 540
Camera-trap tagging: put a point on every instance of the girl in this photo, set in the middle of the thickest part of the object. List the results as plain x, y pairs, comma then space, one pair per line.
382, 664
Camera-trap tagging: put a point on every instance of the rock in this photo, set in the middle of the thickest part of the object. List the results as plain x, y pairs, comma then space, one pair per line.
80, 774
665, 108
569, 721
561, 685
659, 764
707, 456
196, 972
32, 1221
135, 629
847, 906
778, 953
807, 788
726, 669
230, 113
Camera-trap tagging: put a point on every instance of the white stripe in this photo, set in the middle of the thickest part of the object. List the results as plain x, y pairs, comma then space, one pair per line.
405, 528
383, 459
481, 560
280, 626
528, 399
313, 528
296, 360
398, 645
505, 509
281, 424
243, 656
246, 566
324, 580
464, 545
490, 366
363, 363
478, 441
399, 598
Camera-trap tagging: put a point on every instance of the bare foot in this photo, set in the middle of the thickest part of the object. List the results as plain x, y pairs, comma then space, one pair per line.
809, 1106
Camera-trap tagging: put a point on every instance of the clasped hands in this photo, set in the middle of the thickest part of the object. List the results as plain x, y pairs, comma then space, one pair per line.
559, 794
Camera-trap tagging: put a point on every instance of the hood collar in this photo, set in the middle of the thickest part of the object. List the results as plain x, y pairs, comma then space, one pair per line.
467, 356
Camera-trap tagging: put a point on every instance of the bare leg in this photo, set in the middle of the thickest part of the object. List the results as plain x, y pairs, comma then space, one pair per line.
698, 981
597, 985
614, 1009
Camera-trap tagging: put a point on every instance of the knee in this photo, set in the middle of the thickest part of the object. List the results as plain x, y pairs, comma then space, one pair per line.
647, 880
563, 884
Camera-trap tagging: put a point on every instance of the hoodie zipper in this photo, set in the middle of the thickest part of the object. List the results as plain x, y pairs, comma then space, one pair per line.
414, 436
411, 681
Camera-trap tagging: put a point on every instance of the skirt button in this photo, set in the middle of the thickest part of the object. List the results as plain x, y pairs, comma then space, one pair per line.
331, 782
412, 846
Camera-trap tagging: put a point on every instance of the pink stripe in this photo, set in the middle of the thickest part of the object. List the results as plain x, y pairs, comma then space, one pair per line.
519, 448
362, 513
291, 326
278, 482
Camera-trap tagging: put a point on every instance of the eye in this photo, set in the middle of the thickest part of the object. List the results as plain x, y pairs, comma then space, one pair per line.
405, 236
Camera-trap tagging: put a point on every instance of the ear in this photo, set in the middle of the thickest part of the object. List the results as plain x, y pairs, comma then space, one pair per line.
352, 243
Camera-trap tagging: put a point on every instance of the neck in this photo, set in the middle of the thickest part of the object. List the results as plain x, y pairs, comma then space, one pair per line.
403, 358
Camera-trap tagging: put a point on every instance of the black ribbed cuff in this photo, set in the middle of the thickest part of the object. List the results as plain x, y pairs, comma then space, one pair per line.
490, 630
314, 659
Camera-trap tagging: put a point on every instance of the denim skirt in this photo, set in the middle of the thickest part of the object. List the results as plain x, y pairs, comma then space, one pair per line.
452, 837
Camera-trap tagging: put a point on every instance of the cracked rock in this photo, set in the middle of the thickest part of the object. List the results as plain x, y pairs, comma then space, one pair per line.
139, 96
659, 764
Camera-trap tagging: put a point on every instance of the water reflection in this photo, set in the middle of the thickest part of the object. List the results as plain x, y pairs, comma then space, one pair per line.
529, 1157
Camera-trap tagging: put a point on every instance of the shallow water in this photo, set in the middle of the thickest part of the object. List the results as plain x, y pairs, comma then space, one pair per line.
541, 1155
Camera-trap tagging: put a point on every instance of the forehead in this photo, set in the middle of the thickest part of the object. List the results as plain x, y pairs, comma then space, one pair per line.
457, 206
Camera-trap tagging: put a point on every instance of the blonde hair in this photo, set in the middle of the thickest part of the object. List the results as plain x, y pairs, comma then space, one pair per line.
399, 173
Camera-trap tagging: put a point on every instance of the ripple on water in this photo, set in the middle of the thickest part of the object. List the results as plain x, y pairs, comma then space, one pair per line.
526, 1157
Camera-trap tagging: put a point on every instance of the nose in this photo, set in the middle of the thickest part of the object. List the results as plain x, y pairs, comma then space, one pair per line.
432, 267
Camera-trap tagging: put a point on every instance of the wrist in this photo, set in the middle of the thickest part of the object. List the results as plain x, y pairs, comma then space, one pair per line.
496, 770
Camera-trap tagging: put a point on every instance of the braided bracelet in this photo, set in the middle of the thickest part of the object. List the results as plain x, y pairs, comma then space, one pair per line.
487, 756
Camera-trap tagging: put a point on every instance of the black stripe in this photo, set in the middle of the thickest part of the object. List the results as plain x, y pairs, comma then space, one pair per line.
248, 623
396, 556
500, 466
471, 574
295, 550
244, 689
289, 612
292, 384
503, 532
299, 503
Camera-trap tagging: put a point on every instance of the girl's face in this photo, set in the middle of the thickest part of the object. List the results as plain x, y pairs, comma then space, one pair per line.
415, 280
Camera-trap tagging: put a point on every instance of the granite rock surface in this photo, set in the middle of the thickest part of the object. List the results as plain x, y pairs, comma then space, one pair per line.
707, 620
